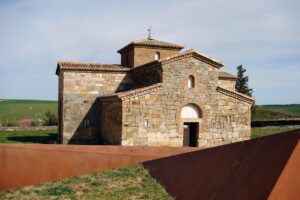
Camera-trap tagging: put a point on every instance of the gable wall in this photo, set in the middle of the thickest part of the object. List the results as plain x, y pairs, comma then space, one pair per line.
79, 103
224, 119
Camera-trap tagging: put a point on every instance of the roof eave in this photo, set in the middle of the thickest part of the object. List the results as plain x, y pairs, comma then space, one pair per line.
131, 45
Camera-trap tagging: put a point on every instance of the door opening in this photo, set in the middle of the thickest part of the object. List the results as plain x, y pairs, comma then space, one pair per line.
190, 135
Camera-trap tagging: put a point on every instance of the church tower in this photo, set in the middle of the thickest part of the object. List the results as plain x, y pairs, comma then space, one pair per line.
139, 52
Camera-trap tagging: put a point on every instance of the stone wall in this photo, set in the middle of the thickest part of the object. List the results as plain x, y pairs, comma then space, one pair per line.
127, 58
227, 84
80, 111
154, 119
147, 76
144, 55
230, 121
60, 106
111, 121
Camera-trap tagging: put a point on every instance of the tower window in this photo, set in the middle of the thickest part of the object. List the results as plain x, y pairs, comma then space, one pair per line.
157, 56
191, 82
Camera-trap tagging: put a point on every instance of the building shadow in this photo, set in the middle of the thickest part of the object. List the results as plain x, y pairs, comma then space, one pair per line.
89, 129
50, 139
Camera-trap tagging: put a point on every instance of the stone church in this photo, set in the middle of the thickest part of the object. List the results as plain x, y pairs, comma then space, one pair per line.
158, 96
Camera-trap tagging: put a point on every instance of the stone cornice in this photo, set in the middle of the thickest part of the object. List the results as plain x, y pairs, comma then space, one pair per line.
236, 95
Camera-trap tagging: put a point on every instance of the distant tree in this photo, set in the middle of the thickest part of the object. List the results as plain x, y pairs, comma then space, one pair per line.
50, 118
242, 83
242, 86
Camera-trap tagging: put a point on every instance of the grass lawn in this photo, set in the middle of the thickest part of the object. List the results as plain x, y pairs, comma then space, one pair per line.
15, 110
131, 182
39, 136
269, 130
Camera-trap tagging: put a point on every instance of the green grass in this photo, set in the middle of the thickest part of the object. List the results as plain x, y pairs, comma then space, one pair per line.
15, 110
131, 182
39, 136
269, 130
276, 112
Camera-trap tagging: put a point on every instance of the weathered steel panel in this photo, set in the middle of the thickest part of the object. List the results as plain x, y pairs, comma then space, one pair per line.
27, 164
243, 170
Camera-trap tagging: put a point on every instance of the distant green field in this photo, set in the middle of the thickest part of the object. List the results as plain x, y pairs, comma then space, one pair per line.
273, 112
14, 110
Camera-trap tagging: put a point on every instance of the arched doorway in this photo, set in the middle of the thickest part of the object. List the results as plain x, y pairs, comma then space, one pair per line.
190, 116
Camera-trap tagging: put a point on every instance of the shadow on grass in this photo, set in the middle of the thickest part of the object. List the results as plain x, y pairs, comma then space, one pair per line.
50, 139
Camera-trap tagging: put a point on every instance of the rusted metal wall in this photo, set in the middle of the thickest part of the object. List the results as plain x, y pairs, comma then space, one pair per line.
262, 168
288, 184
27, 164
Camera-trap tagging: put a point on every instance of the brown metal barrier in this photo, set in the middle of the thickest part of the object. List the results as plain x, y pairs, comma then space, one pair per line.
263, 168
27, 164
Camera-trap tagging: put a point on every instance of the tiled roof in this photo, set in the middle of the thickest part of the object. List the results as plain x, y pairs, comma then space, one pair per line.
152, 43
226, 75
236, 95
94, 67
133, 92
188, 53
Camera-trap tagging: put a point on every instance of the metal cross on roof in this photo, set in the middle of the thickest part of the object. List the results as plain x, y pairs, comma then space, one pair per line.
149, 30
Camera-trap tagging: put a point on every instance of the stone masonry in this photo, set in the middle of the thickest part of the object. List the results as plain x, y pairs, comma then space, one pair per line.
148, 102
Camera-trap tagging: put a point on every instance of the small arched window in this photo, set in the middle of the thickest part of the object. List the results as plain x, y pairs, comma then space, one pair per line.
157, 56
191, 82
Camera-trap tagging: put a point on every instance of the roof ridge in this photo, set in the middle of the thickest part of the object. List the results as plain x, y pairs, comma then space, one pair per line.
151, 43
86, 63
236, 95
89, 66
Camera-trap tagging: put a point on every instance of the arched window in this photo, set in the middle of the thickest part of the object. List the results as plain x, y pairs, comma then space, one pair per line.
157, 56
191, 82
190, 111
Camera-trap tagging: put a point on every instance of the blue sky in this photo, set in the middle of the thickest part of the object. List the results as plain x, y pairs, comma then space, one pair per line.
263, 35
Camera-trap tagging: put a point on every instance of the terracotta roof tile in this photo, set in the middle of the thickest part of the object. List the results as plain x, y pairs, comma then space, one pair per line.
82, 66
226, 75
151, 43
